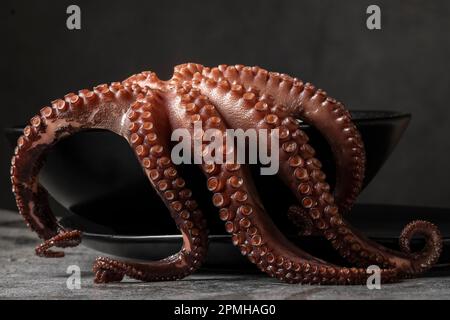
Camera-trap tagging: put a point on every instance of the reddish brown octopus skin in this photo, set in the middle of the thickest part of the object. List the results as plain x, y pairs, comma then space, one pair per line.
145, 110
313, 107
137, 114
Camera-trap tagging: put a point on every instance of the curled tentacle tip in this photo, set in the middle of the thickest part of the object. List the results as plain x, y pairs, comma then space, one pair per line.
427, 229
430, 254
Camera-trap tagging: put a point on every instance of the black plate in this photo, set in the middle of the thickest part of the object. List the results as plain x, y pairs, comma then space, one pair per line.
382, 223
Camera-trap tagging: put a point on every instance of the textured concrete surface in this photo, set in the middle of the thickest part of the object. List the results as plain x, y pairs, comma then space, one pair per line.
25, 276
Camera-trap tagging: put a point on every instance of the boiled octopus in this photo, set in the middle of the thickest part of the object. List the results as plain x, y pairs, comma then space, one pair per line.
145, 110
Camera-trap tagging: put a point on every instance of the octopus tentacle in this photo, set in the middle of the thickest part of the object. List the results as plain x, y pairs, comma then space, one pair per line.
148, 134
317, 109
64, 239
64, 117
245, 218
146, 111
145, 79
185, 72
357, 249
302, 173
429, 231
301, 219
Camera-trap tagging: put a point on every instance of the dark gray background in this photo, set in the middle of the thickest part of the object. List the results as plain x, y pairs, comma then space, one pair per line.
404, 67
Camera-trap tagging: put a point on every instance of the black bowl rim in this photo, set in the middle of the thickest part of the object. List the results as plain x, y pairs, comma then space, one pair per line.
178, 237
379, 115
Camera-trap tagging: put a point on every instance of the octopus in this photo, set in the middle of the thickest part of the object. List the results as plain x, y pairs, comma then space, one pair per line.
145, 111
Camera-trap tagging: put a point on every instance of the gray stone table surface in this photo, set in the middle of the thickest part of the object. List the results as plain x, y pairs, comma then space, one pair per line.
25, 276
